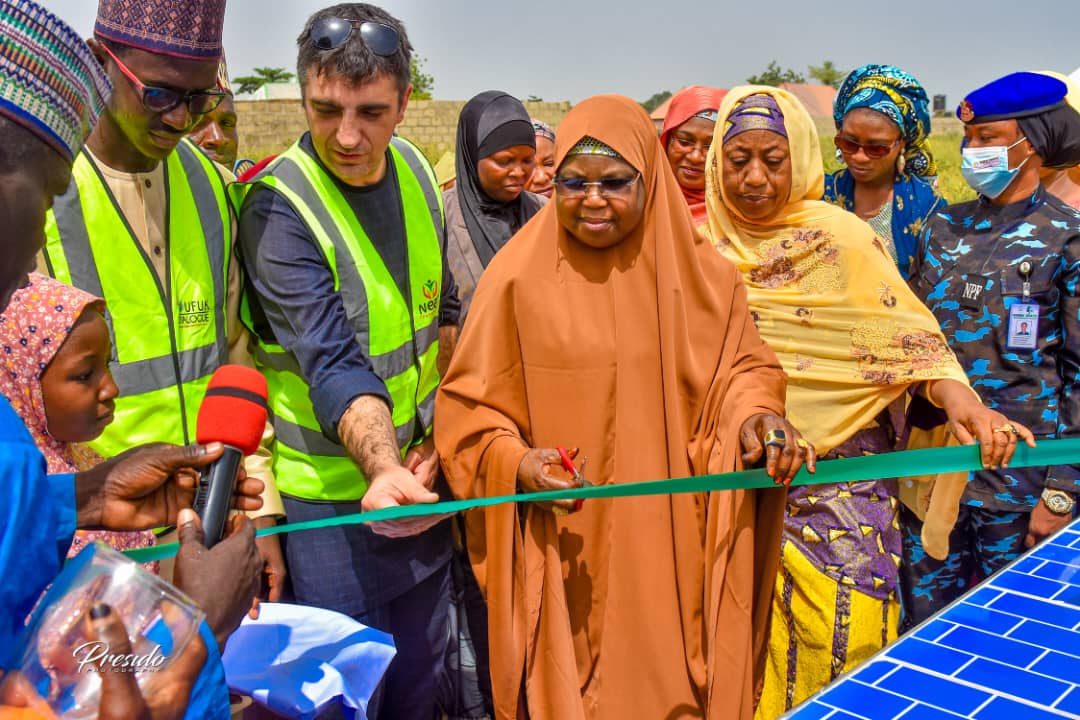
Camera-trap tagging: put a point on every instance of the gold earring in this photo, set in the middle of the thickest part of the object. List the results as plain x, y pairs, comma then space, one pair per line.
901, 163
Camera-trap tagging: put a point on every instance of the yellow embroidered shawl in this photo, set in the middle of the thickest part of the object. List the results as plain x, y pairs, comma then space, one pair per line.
825, 294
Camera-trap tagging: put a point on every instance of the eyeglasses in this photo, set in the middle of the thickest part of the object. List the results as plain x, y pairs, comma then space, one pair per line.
329, 33
874, 150
608, 187
162, 100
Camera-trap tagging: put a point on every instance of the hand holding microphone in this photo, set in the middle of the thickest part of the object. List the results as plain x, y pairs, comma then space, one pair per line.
233, 413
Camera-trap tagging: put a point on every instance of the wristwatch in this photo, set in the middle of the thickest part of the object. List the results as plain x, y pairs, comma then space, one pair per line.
1058, 501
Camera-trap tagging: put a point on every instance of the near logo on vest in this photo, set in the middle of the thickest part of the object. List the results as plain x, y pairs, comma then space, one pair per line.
431, 298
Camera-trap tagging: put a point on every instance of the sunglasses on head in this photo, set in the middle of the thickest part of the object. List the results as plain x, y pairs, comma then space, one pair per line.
874, 150
162, 100
332, 32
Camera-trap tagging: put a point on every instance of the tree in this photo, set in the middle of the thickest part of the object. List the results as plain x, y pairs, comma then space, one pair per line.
656, 100
776, 76
422, 83
828, 74
251, 83
262, 76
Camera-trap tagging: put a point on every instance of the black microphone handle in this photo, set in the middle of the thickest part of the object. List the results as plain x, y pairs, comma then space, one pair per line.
213, 500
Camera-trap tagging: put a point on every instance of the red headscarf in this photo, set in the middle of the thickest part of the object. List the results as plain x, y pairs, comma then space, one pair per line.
687, 103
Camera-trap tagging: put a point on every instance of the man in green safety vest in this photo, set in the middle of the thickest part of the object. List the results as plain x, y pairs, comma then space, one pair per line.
146, 224
343, 240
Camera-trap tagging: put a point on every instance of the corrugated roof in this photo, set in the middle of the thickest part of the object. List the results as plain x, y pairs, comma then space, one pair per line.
818, 99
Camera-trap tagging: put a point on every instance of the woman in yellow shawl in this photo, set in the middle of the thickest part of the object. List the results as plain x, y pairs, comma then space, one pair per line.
854, 341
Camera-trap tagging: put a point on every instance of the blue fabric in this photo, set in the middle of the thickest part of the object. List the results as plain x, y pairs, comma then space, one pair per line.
898, 95
210, 694
294, 303
37, 522
297, 660
977, 249
915, 201
1014, 96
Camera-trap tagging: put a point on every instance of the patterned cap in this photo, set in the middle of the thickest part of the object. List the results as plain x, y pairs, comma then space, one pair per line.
543, 129
223, 77
755, 112
709, 115
591, 146
188, 29
50, 83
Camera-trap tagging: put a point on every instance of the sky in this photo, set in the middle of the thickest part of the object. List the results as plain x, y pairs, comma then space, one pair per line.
571, 49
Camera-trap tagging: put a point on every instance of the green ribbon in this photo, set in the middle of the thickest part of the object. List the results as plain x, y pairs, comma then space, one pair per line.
933, 461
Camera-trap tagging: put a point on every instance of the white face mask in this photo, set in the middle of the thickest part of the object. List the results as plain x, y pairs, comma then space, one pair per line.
987, 170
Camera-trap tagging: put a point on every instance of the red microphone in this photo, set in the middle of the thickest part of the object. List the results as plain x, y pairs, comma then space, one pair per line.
234, 413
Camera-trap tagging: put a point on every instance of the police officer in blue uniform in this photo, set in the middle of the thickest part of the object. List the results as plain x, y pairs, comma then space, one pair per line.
1002, 275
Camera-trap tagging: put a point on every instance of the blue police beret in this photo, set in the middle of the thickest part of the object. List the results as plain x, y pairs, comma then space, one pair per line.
1017, 95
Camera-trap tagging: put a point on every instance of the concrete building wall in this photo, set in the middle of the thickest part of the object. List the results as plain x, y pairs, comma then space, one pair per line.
268, 127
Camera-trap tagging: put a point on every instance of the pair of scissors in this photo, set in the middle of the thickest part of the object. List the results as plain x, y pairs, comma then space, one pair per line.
579, 475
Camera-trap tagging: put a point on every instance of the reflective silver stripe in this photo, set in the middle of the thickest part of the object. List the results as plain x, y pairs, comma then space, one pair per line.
210, 219
404, 357
305, 440
426, 409
75, 240
350, 286
143, 376
419, 168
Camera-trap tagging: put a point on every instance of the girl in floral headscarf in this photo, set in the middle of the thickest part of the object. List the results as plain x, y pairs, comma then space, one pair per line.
54, 369
882, 122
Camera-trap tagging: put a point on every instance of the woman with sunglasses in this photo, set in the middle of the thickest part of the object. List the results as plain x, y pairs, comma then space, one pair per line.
686, 137
855, 343
882, 122
496, 154
578, 337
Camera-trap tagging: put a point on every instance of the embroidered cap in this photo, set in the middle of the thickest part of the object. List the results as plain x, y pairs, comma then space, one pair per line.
50, 83
1018, 95
189, 29
592, 146
543, 129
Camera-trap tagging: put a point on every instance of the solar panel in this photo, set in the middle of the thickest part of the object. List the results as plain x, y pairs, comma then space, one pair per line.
1008, 650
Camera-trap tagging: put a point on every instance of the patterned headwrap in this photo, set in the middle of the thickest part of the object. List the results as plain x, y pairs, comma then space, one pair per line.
899, 96
543, 129
592, 146
223, 77
33, 327
755, 112
709, 115
50, 83
188, 29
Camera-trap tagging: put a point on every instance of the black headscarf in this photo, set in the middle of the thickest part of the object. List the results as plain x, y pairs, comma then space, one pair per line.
490, 122
1055, 135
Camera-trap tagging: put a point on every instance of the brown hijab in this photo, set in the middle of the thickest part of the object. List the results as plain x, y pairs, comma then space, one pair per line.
644, 355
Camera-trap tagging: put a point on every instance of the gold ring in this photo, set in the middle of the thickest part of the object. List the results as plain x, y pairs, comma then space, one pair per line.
1006, 428
803, 444
775, 437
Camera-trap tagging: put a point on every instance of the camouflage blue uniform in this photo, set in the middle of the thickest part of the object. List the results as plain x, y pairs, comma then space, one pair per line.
974, 263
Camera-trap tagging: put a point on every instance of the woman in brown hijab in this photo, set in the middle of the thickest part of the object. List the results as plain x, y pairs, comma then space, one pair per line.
608, 324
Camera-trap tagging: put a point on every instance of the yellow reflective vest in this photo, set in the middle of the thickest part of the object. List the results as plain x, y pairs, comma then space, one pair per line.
168, 336
398, 333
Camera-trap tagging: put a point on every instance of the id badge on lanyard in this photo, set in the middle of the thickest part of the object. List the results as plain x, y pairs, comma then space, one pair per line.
1024, 316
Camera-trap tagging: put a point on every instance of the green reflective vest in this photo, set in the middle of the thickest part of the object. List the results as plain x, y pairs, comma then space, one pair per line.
167, 340
398, 333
